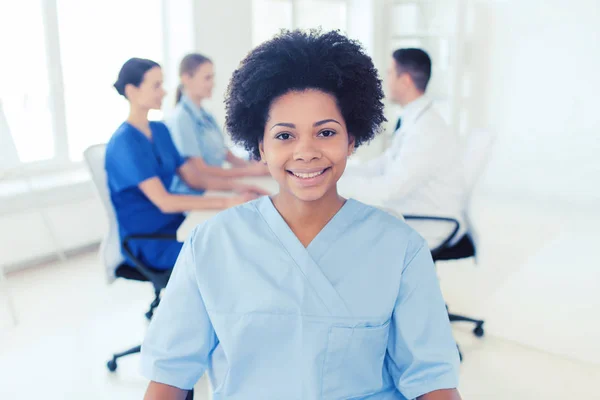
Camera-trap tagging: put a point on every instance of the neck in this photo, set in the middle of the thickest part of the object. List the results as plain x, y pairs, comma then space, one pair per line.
410, 97
138, 117
307, 218
196, 100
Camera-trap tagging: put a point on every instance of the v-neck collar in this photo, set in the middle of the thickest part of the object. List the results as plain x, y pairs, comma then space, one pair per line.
322, 241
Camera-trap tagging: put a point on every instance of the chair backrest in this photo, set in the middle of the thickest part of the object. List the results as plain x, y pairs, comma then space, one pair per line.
110, 250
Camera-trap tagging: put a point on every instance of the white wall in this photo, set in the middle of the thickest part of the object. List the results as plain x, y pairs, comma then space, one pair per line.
223, 32
537, 63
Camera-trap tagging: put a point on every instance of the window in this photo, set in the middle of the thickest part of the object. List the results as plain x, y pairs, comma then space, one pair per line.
270, 16
94, 44
27, 127
60, 60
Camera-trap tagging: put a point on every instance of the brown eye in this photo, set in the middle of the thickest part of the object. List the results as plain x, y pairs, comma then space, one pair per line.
283, 136
327, 133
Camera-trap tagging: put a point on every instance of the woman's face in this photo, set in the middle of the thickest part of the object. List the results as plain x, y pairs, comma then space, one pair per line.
306, 144
150, 93
200, 84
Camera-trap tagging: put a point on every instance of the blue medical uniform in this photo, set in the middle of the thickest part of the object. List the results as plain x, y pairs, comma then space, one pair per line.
195, 134
131, 158
357, 314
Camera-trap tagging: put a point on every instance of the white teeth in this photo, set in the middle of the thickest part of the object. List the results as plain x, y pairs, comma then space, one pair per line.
307, 175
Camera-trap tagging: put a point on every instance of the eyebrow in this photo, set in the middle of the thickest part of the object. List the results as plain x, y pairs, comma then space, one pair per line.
318, 123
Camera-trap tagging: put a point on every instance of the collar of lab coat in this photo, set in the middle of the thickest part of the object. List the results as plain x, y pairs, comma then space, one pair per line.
413, 110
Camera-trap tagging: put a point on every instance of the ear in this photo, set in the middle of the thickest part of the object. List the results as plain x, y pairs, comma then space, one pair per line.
351, 143
129, 90
261, 149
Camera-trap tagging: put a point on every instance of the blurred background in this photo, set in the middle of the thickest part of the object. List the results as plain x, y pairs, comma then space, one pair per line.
526, 70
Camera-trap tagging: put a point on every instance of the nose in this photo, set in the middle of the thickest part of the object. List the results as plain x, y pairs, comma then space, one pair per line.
307, 150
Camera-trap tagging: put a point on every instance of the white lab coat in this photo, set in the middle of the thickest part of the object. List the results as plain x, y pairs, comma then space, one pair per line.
420, 173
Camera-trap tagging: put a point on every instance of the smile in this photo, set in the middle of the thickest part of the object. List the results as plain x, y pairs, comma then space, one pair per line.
308, 175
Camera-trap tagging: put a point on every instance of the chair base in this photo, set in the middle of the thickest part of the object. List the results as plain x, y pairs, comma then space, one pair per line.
477, 331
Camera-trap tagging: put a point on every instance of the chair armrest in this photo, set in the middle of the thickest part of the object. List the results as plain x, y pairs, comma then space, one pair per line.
158, 278
440, 247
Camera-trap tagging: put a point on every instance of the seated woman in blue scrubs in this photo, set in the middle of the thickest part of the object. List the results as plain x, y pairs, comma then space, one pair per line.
304, 295
195, 131
141, 162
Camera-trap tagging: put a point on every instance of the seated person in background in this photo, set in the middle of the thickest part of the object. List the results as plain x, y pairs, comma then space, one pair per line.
421, 172
194, 130
304, 295
141, 162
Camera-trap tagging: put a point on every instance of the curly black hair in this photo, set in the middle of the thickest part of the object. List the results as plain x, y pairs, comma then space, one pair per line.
299, 60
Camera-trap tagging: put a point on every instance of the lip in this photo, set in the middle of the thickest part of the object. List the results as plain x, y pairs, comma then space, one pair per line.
309, 182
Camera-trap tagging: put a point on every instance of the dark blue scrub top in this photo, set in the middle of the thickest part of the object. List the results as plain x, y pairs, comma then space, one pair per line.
132, 158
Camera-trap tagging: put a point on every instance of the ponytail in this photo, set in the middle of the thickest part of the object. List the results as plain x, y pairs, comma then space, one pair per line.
178, 93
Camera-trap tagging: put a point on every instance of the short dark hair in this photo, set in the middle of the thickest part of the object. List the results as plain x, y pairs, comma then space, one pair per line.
300, 60
132, 72
416, 63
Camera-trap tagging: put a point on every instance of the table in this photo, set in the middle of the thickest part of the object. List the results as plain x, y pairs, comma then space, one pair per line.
435, 233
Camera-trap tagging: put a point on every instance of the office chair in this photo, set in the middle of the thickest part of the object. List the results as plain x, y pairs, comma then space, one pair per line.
110, 250
477, 151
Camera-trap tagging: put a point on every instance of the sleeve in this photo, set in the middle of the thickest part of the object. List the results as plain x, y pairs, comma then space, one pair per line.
423, 353
127, 163
182, 129
171, 148
419, 156
180, 337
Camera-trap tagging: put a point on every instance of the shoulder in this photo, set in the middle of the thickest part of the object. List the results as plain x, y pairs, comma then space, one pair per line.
159, 127
177, 116
232, 222
391, 230
123, 138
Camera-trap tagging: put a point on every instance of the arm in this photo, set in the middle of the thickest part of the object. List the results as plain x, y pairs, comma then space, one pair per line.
175, 203
419, 156
196, 179
176, 350
160, 391
445, 394
423, 358
236, 161
240, 171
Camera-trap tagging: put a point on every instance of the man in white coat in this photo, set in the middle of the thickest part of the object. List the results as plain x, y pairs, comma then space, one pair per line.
421, 172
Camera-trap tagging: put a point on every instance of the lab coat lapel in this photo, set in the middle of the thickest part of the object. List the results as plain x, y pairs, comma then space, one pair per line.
303, 260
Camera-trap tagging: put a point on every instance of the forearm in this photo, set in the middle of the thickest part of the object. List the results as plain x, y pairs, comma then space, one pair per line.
236, 161
219, 172
445, 394
175, 203
160, 391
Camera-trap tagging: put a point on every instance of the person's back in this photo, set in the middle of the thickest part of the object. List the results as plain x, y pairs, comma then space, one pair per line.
438, 187
196, 133
422, 171
130, 159
141, 162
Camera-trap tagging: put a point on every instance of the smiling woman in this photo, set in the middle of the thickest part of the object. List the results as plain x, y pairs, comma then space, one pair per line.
303, 294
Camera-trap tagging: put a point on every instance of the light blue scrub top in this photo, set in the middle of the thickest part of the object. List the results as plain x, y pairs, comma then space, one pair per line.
195, 134
358, 313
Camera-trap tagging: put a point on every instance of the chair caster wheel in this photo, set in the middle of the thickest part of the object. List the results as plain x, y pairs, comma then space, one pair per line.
478, 331
149, 315
112, 365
